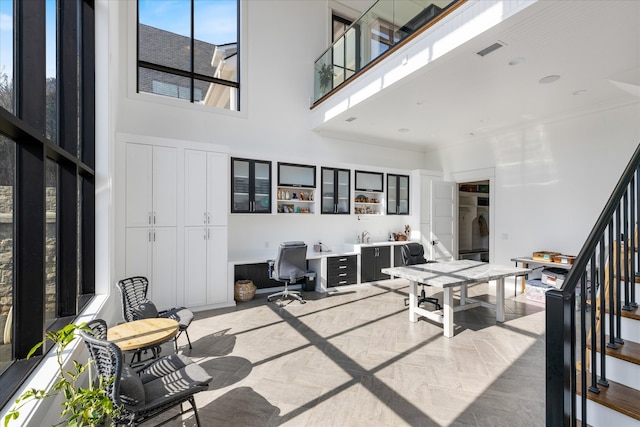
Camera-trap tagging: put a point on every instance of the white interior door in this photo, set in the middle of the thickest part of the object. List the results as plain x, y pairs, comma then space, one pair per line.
443, 221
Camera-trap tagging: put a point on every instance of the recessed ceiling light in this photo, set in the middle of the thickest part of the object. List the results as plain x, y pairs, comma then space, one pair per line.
350, 119
579, 92
403, 130
549, 79
516, 61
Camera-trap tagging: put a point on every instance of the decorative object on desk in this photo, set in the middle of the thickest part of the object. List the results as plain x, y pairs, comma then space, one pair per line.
546, 256
88, 406
244, 290
407, 230
564, 259
401, 237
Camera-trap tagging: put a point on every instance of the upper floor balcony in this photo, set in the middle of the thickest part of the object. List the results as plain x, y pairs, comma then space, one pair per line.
386, 25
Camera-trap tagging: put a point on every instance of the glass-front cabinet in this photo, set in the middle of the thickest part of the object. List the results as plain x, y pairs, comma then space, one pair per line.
336, 189
296, 188
250, 186
369, 193
397, 194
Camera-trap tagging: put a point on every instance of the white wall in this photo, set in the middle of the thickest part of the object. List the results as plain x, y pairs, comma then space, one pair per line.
281, 41
552, 179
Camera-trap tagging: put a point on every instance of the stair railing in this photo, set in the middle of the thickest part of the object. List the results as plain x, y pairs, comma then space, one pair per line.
601, 280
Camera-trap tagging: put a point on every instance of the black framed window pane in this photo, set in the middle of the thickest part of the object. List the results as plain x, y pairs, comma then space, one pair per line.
51, 128
392, 195
165, 84
51, 245
6, 61
7, 203
170, 47
216, 95
262, 185
294, 175
403, 195
215, 52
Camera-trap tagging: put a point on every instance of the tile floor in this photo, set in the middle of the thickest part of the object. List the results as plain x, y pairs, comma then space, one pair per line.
353, 359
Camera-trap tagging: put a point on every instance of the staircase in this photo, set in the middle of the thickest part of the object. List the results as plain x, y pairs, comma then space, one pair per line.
597, 308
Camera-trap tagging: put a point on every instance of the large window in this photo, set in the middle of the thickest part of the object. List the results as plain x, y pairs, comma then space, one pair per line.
189, 50
47, 179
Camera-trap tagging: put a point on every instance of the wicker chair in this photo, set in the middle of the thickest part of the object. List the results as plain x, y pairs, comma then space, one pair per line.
150, 390
135, 305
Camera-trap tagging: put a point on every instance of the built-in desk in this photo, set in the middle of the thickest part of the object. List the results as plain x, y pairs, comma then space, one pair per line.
527, 262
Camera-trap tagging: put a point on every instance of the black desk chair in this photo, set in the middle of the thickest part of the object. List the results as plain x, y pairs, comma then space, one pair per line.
413, 253
289, 267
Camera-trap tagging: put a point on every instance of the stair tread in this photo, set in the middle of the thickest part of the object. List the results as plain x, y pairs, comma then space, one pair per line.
617, 396
633, 314
629, 351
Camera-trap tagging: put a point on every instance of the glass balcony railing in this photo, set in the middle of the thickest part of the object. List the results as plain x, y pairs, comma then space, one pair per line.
386, 24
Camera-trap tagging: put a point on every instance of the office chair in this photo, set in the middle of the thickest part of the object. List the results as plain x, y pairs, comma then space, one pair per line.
413, 253
149, 391
289, 267
135, 305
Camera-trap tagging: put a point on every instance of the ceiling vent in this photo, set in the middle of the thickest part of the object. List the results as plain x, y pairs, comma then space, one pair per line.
487, 50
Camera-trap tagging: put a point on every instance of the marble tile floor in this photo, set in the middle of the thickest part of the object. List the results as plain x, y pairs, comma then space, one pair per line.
352, 358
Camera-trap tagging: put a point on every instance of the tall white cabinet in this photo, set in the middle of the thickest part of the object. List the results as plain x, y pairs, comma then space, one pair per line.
205, 231
175, 221
151, 219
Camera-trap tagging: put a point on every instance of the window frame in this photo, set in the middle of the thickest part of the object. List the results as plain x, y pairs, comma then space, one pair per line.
74, 156
191, 75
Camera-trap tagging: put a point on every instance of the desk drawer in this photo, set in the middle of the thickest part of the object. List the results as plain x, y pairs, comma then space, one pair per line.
342, 270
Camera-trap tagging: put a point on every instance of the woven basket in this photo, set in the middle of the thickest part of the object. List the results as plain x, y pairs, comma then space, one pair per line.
244, 290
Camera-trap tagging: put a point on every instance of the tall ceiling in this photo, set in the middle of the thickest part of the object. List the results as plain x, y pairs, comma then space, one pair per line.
593, 46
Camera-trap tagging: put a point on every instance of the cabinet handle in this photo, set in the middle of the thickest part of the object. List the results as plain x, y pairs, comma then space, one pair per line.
342, 282
154, 235
342, 266
342, 259
342, 274
154, 218
208, 234
208, 218
204, 215
149, 236
149, 219
204, 235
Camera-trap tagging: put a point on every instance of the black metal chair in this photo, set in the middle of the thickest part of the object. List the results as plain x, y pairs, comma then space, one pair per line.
289, 267
148, 391
135, 305
413, 253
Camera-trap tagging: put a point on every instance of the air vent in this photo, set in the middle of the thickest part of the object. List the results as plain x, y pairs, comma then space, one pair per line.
487, 50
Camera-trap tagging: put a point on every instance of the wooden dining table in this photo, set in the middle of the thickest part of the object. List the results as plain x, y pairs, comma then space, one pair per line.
142, 334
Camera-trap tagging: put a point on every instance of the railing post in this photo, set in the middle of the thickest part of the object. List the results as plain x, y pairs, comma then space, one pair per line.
560, 358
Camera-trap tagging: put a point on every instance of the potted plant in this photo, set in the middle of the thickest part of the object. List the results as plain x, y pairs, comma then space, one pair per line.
326, 76
82, 406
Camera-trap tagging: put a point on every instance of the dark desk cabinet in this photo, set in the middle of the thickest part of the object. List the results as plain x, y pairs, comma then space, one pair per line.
372, 259
342, 270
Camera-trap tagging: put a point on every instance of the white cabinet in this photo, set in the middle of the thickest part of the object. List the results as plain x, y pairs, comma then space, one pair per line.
205, 231
151, 186
150, 235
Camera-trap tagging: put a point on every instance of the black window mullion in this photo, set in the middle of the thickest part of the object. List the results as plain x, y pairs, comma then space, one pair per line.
87, 240
192, 55
87, 84
67, 99
67, 238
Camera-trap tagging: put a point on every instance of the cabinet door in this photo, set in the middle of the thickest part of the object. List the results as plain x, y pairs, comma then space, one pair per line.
262, 187
397, 194
162, 284
328, 191
217, 285
139, 187
195, 188
240, 182
368, 264
164, 186
217, 187
343, 201
138, 243
383, 260
195, 266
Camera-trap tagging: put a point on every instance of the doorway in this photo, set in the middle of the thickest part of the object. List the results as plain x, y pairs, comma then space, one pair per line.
473, 220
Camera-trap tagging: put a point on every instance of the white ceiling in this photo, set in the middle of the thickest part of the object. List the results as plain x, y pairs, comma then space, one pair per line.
594, 46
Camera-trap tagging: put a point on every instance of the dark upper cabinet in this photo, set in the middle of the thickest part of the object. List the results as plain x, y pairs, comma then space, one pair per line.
295, 175
397, 194
369, 181
250, 186
336, 190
